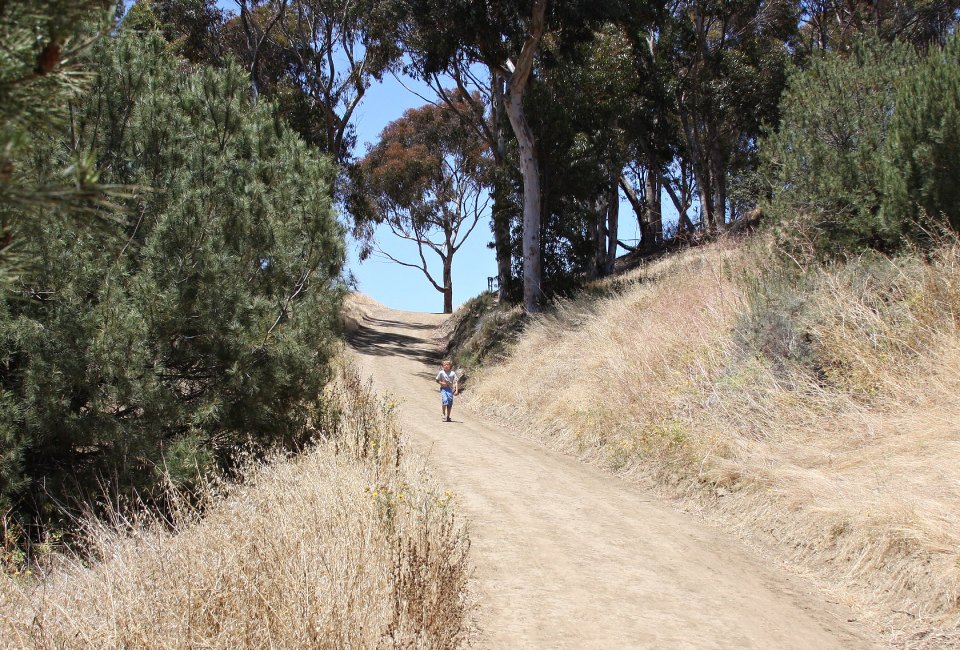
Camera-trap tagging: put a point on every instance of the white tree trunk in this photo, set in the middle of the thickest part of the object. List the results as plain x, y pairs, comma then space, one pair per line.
530, 171
517, 84
613, 225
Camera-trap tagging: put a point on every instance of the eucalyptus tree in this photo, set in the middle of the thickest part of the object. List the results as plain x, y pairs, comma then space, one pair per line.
581, 108
506, 37
427, 179
333, 50
194, 28
477, 98
728, 67
655, 163
838, 24
258, 21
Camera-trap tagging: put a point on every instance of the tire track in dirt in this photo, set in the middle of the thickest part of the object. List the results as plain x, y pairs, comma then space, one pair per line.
568, 557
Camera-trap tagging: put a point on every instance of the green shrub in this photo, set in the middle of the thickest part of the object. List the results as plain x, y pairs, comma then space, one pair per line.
868, 152
824, 166
923, 149
199, 319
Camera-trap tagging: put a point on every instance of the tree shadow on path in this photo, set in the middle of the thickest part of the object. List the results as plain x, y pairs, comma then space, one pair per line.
370, 339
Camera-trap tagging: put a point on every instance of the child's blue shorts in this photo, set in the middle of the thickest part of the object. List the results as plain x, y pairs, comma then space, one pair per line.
446, 396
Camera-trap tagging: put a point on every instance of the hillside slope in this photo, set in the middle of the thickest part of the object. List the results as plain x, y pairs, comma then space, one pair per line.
566, 556
814, 412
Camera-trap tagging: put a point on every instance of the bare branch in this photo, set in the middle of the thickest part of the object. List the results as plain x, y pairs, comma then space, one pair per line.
422, 268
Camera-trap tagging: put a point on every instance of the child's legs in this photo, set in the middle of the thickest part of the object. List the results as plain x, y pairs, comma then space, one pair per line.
446, 402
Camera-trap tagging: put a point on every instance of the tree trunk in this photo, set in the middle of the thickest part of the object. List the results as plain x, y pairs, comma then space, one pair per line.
700, 164
719, 182
517, 83
706, 197
637, 204
598, 236
448, 285
613, 224
500, 211
652, 213
254, 42
530, 171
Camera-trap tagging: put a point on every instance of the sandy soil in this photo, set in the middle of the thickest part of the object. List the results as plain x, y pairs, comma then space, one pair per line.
568, 557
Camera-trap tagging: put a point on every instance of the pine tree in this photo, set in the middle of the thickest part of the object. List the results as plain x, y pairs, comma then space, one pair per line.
201, 321
923, 153
824, 165
42, 70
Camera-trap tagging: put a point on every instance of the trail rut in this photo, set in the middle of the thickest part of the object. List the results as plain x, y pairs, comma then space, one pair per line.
568, 557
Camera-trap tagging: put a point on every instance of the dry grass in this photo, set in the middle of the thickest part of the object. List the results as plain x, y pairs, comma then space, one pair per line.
817, 414
480, 330
346, 546
355, 308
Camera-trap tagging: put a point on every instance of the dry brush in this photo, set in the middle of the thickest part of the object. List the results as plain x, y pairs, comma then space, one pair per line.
347, 545
815, 411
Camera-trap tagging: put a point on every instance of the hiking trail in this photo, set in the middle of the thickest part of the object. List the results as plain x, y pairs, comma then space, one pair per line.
566, 556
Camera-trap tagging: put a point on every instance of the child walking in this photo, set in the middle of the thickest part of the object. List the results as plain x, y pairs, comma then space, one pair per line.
449, 387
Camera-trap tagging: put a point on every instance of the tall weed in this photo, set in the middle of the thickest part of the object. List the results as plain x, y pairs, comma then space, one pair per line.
347, 545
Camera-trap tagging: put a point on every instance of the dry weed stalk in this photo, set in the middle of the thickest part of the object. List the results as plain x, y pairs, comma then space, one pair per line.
346, 546
828, 424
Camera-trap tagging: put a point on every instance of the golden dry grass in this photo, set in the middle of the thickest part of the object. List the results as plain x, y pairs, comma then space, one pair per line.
841, 451
355, 307
346, 546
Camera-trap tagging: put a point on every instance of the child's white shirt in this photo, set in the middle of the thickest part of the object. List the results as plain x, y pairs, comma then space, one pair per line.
449, 377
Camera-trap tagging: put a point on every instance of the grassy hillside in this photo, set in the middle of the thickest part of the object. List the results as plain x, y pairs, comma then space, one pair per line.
348, 545
813, 410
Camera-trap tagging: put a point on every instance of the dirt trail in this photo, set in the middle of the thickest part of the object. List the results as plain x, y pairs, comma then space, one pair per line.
568, 557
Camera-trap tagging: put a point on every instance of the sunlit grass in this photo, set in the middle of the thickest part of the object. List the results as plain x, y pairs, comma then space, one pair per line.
818, 414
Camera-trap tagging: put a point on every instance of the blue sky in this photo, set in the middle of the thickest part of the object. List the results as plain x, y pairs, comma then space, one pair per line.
402, 287
389, 283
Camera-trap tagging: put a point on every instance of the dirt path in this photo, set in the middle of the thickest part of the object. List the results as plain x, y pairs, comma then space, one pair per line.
568, 557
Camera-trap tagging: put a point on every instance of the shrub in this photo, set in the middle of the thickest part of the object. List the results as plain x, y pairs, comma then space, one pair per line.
923, 149
824, 165
200, 317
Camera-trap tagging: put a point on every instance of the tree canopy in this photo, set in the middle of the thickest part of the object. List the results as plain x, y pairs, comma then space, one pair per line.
171, 172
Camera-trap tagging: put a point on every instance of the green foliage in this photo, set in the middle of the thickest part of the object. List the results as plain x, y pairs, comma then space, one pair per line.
42, 70
203, 321
923, 151
868, 153
839, 26
192, 27
824, 165
725, 74
579, 110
